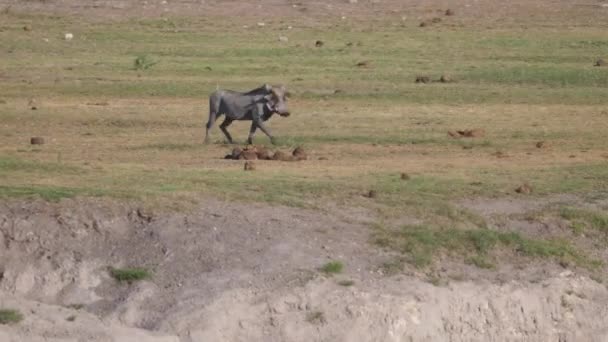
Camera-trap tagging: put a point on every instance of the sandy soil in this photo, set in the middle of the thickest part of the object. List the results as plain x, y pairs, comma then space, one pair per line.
242, 272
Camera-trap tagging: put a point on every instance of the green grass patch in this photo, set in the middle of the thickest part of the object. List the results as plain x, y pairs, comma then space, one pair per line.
11, 164
332, 267
129, 274
423, 244
558, 75
49, 193
584, 220
10, 316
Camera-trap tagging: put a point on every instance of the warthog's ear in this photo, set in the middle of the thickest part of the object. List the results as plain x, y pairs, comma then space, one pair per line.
268, 87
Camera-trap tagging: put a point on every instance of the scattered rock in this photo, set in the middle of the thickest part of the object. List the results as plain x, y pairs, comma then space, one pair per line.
363, 64
319, 43
524, 189
500, 154
299, 153
371, 194
423, 79
68, 36
27, 28
405, 176
349, 44
445, 79
449, 12
37, 140
338, 91
472, 133
249, 166
423, 24
601, 62
283, 39
453, 134
102, 103
541, 144
260, 24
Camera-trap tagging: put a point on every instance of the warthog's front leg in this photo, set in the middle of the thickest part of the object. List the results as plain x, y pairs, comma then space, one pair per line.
252, 130
259, 122
224, 129
266, 130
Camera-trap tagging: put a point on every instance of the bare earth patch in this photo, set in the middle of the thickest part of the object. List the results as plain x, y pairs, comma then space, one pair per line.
235, 272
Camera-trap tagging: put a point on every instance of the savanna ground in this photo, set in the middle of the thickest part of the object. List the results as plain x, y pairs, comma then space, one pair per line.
122, 137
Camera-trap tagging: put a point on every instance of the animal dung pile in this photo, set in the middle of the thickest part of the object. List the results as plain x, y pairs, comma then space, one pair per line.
468, 133
37, 140
262, 153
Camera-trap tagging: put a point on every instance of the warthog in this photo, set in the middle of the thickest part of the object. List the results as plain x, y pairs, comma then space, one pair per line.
257, 105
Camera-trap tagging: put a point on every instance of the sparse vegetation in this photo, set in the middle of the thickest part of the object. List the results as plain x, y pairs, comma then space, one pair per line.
346, 283
585, 220
423, 244
10, 316
143, 62
332, 267
316, 317
129, 275
76, 306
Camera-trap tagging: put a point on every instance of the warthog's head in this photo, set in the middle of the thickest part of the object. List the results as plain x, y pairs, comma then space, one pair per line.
277, 100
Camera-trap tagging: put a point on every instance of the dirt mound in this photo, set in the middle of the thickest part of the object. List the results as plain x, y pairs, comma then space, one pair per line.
468, 133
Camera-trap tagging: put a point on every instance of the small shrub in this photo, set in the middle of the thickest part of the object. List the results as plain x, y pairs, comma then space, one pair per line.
143, 62
9, 316
129, 274
332, 267
316, 317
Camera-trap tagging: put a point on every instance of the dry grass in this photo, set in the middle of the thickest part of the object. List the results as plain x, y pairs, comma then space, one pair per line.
115, 131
